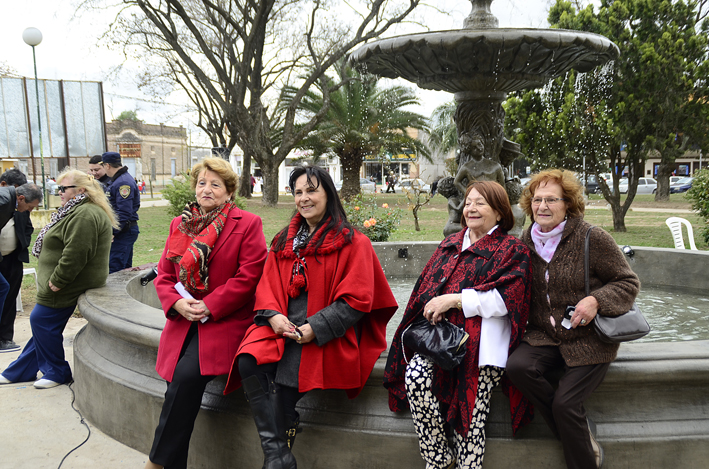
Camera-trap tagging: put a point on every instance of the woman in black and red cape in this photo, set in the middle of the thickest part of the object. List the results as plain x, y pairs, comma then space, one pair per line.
322, 306
479, 279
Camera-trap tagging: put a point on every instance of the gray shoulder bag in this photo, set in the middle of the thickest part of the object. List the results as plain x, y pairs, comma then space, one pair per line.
628, 326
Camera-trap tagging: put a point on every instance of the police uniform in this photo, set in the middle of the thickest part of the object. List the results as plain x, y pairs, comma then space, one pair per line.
122, 192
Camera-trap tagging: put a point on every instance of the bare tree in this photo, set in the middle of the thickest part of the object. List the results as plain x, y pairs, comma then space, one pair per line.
232, 56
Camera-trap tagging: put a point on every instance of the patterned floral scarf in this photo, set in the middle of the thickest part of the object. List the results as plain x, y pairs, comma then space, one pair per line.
56, 217
191, 243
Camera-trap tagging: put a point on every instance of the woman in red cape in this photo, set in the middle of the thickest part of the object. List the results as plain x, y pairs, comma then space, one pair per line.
478, 279
322, 306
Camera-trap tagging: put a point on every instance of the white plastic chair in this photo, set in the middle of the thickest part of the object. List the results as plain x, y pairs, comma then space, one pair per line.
675, 225
18, 300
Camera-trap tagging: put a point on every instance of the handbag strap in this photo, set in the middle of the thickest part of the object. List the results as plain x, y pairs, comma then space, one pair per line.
586, 261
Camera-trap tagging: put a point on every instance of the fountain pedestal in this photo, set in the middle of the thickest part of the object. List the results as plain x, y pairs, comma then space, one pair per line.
480, 64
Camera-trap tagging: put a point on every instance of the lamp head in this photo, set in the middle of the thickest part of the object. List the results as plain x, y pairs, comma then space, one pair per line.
32, 36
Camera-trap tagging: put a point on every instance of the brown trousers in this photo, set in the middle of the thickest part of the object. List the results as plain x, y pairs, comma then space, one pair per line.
562, 408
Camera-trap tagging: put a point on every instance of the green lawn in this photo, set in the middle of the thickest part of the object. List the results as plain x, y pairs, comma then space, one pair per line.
644, 228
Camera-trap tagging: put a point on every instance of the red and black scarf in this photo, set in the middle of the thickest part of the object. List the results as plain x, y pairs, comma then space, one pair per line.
298, 246
193, 240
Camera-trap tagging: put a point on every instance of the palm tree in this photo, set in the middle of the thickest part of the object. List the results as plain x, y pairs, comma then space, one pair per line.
444, 135
363, 119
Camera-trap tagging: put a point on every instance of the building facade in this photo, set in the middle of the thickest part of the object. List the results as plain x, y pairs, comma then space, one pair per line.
152, 152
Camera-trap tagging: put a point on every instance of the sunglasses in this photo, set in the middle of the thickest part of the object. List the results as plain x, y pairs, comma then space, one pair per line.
64, 188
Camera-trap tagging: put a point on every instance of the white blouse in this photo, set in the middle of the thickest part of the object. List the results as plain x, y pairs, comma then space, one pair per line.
495, 331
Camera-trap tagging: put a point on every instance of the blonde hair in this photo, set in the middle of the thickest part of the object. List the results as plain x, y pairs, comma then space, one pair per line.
570, 186
93, 188
219, 166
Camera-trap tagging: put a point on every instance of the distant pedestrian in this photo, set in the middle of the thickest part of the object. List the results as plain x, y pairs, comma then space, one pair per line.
391, 180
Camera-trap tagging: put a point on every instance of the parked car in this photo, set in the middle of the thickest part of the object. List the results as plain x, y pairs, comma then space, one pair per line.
645, 186
408, 184
674, 179
683, 185
367, 186
591, 184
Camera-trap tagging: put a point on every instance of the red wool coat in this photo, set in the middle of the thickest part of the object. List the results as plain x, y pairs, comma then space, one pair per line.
235, 266
348, 271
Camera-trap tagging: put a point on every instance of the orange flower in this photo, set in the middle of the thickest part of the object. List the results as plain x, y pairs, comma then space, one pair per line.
385, 205
356, 207
367, 224
372, 222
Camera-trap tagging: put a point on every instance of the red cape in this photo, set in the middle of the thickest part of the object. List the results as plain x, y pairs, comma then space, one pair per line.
341, 270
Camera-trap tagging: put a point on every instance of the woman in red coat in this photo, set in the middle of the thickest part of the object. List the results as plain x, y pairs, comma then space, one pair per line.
322, 307
207, 277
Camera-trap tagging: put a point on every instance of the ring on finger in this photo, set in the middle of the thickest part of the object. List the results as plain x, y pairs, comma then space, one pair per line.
583, 322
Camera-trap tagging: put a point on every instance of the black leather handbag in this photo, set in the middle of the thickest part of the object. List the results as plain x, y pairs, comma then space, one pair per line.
444, 343
628, 326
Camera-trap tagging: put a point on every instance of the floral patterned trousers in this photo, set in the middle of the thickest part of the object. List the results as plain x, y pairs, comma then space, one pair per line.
429, 422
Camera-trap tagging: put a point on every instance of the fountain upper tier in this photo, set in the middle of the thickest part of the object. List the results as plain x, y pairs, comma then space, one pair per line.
485, 61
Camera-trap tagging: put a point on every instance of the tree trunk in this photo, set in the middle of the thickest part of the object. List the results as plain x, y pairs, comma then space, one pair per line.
245, 179
618, 216
416, 218
664, 171
351, 163
270, 188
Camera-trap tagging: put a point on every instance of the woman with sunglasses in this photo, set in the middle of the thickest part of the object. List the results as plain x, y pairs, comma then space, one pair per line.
72, 251
559, 334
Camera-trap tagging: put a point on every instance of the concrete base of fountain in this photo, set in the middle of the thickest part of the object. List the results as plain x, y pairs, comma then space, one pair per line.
652, 410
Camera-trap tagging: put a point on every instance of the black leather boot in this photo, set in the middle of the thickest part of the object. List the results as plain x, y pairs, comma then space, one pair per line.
267, 409
293, 431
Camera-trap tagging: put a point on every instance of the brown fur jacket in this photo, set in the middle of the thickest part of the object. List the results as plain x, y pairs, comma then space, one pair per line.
612, 281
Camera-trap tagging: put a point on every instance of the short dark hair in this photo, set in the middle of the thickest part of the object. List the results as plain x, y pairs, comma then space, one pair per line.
496, 197
30, 191
13, 177
335, 215
96, 159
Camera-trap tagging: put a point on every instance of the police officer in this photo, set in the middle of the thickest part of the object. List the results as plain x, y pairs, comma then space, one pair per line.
122, 191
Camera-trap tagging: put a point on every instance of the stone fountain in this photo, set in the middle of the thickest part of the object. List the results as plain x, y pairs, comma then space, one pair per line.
480, 64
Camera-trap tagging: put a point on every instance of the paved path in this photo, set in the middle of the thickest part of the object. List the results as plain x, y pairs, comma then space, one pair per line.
39, 427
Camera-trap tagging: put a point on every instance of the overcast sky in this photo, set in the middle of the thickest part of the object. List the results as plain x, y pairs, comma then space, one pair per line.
70, 50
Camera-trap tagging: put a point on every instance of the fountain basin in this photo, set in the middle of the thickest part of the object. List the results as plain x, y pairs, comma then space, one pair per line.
487, 60
652, 409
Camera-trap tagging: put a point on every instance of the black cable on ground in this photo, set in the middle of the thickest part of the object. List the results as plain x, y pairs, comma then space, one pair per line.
73, 399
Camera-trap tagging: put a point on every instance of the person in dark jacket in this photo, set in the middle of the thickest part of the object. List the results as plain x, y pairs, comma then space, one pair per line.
15, 238
124, 196
23, 199
97, 171
563, 343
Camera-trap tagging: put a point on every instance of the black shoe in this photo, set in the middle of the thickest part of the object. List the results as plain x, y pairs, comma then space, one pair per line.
8, 346
267, 410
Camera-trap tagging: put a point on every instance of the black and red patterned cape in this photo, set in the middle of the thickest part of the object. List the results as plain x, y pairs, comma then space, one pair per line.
495, 261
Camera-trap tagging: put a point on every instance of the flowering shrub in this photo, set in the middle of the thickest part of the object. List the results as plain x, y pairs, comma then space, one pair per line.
377, 222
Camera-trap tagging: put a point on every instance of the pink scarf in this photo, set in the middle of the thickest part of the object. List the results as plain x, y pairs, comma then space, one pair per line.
546, 243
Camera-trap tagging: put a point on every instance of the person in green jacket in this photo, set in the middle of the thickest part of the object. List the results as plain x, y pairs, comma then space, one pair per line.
72, 251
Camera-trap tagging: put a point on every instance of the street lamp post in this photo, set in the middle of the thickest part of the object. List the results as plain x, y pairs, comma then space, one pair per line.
33, 37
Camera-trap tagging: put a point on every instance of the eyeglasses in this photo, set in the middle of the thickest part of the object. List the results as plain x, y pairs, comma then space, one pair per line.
64, 188
548, 200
